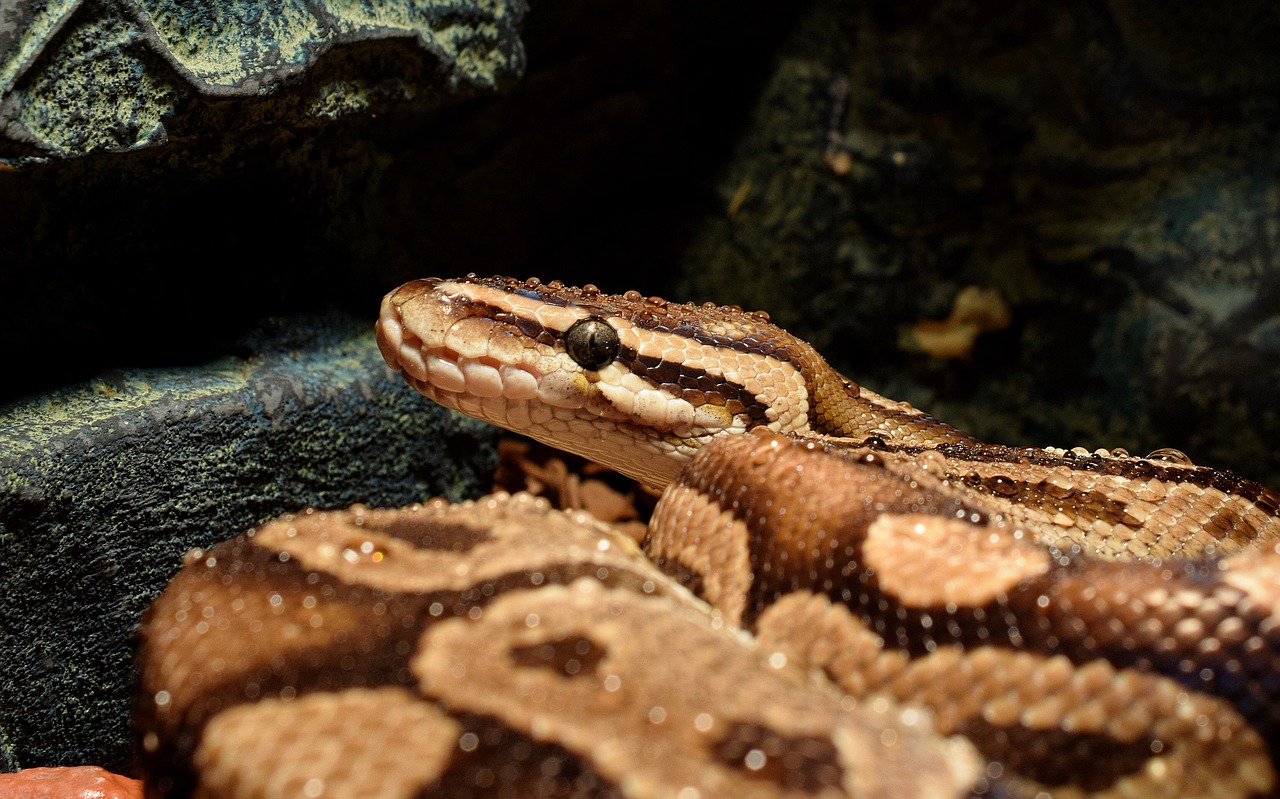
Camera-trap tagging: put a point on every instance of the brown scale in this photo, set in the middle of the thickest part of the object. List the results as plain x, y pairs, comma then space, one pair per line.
805, 540
1134, 471
1119, 506
253, 645
943, 547
496, 648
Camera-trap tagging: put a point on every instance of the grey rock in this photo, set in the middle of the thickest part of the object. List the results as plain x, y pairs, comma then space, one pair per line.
107, 484
1109, 169
84, 76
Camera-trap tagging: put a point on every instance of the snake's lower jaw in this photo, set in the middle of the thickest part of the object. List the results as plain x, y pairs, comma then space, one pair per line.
653, 462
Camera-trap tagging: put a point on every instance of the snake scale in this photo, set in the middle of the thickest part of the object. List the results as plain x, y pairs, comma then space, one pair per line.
850, 598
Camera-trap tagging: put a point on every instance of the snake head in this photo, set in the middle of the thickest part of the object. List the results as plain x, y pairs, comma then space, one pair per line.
636, 383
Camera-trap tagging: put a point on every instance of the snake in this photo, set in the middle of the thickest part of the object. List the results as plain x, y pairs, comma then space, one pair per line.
837, 595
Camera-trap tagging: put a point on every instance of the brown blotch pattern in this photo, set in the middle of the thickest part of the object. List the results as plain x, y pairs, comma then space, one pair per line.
807, 764
545, 658
570, 656
1178, 623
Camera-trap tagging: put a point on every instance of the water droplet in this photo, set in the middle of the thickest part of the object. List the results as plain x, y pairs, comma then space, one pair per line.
933, 462
1003, 486
1170, 455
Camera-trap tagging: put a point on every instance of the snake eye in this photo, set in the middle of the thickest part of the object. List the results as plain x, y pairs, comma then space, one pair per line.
591, 343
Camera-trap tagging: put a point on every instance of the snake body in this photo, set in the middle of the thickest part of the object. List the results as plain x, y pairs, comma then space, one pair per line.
894, 607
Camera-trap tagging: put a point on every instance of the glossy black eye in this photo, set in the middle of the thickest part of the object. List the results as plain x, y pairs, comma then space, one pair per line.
591, 343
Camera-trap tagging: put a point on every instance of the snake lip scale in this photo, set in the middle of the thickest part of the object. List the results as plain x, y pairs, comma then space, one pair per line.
837, 595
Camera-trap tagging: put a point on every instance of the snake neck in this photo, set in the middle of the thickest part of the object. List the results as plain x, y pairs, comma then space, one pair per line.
841, 408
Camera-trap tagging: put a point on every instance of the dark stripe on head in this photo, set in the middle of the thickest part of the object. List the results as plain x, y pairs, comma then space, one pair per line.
696, 386
761, 337
768, 340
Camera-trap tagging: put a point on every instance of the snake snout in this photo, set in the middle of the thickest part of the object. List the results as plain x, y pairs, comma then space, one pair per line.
416, 320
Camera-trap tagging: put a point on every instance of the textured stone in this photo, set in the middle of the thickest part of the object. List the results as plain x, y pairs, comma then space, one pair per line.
579, 169
82, 76
107, 484
80, 782
1109, 169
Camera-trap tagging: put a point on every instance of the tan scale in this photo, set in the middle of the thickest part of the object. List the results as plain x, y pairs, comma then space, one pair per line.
1092, 623
932, 539
497, 647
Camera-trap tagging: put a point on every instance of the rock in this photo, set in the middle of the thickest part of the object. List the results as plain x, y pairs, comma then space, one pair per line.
1111, 170
82, 77
107, 484
71, 782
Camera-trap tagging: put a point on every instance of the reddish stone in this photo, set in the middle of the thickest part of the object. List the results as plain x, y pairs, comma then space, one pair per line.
77, 782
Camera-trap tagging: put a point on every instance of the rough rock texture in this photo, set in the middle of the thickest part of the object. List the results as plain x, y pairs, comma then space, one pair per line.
1108, 168
107, 484
84, 76
600, 161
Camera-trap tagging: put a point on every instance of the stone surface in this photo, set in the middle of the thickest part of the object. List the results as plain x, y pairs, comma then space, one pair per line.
599, 161
80, 76
72, 782
107, 484
1110, 169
